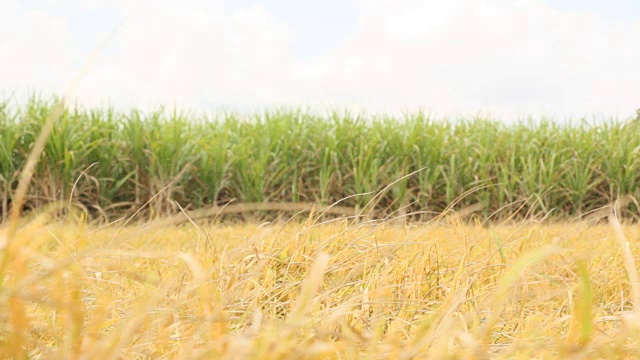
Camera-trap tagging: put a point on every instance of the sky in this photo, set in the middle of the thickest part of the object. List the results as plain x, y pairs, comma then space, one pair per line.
563, 59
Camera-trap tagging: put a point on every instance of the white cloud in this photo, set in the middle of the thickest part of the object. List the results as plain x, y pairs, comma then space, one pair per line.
36, 48
510, 57
457, 57
198, 56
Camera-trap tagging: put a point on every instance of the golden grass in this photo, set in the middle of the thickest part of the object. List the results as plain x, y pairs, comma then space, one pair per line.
336, 290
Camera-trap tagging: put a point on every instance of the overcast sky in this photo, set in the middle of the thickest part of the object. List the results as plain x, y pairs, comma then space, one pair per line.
559, 58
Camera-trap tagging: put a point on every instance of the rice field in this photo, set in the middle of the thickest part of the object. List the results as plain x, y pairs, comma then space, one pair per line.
332, 290
287, 235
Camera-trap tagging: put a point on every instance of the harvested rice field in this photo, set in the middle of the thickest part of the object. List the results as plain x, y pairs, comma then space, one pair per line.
291, 236
311, 289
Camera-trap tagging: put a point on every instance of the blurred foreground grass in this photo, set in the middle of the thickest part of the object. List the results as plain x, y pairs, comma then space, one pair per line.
308, 290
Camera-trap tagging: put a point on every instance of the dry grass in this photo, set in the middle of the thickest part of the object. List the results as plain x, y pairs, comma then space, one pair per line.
305, 290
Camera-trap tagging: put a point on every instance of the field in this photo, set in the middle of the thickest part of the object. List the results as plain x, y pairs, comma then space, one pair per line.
443, 289
111, 164
289, 235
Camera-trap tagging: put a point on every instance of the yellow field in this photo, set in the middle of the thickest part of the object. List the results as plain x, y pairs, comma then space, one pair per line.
336, 290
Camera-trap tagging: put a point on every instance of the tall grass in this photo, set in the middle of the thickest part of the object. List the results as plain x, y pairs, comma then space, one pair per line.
118, 161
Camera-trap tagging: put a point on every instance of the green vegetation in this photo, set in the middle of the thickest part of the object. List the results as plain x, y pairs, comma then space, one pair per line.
112, 163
